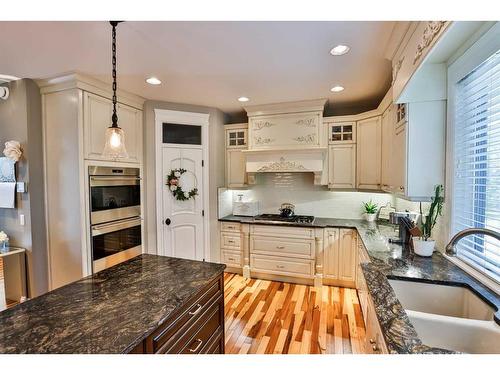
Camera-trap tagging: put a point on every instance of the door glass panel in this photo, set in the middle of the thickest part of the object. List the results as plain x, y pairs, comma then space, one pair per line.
181, 134
347, 137
348, 128
336, 137
232, 135
336, 129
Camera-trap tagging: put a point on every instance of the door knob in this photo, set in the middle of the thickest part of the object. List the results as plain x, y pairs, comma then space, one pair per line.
168, 221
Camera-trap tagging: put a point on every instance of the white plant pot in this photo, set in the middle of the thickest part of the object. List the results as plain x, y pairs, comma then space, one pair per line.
370, 217
423, 248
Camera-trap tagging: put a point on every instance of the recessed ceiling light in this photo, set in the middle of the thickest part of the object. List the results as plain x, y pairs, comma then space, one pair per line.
337, 89
339, 50
153, 81
243, 99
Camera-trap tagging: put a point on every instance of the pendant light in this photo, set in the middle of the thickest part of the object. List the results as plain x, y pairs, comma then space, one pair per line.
115, 137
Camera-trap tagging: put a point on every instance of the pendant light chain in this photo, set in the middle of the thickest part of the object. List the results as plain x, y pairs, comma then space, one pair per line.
114, 118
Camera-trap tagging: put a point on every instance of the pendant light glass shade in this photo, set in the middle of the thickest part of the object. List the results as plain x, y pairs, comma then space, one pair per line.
115, 144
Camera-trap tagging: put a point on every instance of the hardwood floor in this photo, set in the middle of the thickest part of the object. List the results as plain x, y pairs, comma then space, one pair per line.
275, 317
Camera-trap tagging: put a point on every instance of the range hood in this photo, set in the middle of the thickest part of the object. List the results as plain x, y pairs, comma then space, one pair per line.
287, 160
287, 137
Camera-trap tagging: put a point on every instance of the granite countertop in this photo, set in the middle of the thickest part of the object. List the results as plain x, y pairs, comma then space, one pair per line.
109, 312
394, 261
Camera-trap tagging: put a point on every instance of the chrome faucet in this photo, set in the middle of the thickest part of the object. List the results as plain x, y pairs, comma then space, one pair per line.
450, 248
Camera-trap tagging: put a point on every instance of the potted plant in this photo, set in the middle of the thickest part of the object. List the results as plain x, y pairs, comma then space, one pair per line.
424, 245
370, 210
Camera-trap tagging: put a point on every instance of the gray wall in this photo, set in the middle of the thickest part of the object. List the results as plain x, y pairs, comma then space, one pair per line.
216, 169
20, 120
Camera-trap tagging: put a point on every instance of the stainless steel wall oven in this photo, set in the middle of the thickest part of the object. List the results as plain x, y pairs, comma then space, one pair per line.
115, 209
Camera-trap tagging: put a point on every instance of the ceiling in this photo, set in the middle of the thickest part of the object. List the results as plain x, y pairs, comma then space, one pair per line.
211, 63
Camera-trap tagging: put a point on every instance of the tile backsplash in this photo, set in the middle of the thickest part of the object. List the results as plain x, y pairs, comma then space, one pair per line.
272, 189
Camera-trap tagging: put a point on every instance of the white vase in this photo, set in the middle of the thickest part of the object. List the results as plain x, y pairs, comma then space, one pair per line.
370, 217
422, 247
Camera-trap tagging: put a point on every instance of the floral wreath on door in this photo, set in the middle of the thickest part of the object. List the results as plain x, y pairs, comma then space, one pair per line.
173, 182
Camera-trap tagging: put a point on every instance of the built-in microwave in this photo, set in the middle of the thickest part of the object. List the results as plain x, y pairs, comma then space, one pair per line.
115, 242
115, 193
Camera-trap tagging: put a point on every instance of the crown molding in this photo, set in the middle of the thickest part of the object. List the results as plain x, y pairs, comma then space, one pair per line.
84, 82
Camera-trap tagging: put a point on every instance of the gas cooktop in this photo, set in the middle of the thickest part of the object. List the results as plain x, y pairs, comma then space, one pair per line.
301, 219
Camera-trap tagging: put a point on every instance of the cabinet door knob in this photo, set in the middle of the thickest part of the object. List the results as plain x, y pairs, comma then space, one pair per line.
168, 221
372, 341
374, 348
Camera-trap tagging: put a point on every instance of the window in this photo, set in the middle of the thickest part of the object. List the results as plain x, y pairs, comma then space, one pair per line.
181, 134
476, 184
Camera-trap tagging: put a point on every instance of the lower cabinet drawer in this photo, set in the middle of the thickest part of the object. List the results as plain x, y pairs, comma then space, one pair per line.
197, 338
282, 266
300, 248
230, 240
282, 231
163, 338
231, 258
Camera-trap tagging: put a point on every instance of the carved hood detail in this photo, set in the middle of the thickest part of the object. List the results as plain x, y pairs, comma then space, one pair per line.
287, 137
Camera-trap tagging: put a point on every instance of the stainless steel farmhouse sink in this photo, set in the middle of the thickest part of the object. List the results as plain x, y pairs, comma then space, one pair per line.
449, 317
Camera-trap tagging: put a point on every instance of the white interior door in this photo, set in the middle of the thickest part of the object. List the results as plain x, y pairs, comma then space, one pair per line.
183, 231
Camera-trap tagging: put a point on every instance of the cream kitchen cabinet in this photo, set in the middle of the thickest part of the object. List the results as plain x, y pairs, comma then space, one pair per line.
340, 257
236, 141
418, 150
231, 245
369, 154
387, 148
341, 132
97, 118
342, 166
75, 112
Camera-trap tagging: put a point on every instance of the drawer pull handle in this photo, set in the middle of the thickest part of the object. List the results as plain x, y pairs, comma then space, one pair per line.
196, 311
280, 247
372, 341
231, 259
195, 349
230, 241
280, 267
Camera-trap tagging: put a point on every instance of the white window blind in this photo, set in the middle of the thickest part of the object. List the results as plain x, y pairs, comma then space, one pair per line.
476, 185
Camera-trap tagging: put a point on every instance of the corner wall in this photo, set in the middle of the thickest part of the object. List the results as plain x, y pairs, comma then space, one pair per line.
20, 120
216, 170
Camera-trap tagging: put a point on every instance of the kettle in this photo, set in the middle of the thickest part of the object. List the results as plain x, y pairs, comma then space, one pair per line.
286, 210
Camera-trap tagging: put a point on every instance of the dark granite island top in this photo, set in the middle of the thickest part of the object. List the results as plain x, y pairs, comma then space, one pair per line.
109, 312
393, 261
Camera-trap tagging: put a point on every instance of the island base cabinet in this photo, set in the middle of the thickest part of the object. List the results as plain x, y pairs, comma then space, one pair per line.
197, 327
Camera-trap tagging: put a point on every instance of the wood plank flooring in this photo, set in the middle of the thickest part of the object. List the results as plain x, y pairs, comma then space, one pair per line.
268, 317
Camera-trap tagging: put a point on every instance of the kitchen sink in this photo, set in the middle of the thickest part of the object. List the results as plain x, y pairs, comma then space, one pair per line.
449, 317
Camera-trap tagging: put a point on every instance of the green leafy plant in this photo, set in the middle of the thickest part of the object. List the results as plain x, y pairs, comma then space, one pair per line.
370, 207
435, 210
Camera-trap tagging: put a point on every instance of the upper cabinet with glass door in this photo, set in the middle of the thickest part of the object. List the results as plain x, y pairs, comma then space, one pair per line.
236, 138
341, 132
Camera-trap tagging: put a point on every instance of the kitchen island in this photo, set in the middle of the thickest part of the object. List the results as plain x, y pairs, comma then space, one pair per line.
149, 304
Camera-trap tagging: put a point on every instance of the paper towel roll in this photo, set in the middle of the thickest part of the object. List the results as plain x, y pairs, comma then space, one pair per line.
7, 194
